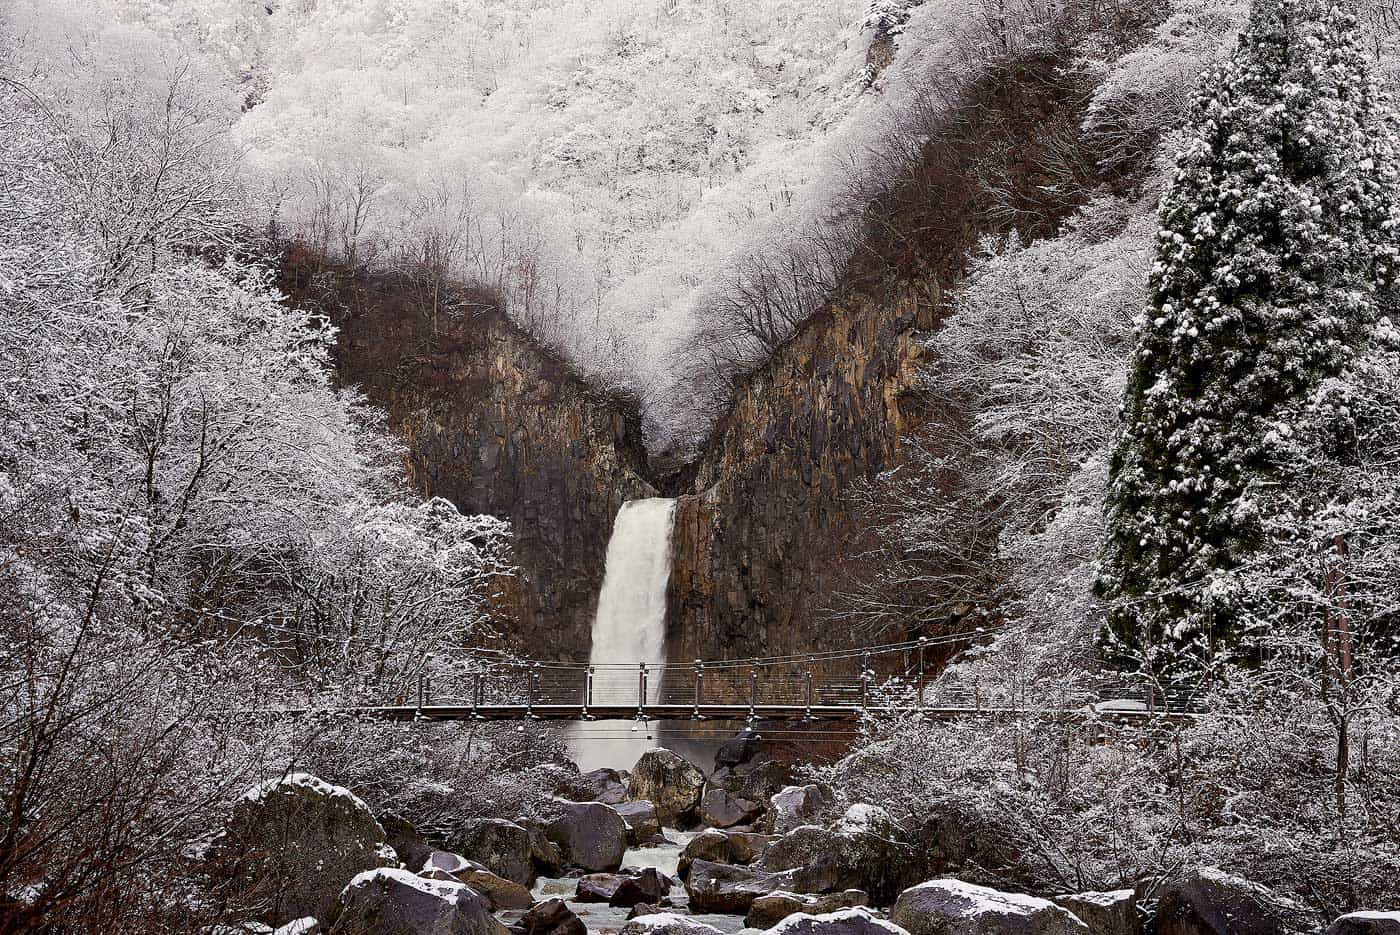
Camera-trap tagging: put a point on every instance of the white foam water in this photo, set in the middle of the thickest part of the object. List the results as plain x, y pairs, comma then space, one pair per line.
629, 628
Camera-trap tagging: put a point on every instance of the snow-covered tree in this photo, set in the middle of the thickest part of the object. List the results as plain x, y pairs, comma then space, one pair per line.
1277, 242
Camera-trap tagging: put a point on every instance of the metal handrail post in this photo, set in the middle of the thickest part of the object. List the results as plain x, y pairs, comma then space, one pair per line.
642, 691
699, 684
587, 692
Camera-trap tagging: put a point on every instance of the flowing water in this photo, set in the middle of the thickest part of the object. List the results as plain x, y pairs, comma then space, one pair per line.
629, 628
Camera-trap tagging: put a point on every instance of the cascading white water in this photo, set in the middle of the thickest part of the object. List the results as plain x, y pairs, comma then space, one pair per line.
629, 628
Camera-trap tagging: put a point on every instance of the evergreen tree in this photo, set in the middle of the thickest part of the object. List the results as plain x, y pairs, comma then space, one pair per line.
1276, 247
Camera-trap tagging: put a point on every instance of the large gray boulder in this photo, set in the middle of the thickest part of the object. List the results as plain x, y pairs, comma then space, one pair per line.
801, 805
859, 852
591, 835
952, 907
667, 923
1366, 923
551, 917
768, 911
719, 808
722, 847
671, 783
643, 827
853, 921
729, 889
290, 844
1211, 902
390, 901
1113, 912
608, 786
503, 847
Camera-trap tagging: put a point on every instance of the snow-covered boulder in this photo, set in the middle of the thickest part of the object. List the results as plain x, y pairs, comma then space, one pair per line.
1113, 912
1366, 923
500, 892
671, 783
853, 921
591, 835
667, 923
730, 889
1212, 902
306, 925
503, 847
389, 901
290, 844
768, 911
856, 853
801, 805
952, 907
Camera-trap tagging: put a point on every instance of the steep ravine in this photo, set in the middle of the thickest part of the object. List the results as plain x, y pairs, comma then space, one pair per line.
494, 423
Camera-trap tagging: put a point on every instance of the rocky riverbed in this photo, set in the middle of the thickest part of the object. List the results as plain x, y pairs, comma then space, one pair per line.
668, 850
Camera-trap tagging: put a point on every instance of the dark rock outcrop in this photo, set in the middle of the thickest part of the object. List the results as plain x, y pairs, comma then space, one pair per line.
1114, 912
1366, 923
768, 911
290, 845
397, 902
672, 784
951, 907
608, 786
730, 889
503, 847
550, 917
643, 827
1210, 902
591, 835
411, 846
720, 808
648, 886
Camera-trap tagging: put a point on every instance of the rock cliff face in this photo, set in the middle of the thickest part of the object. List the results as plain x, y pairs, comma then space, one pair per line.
494, 423
768, 512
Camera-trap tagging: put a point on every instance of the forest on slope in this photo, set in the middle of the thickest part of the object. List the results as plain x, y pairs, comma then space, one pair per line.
200, 522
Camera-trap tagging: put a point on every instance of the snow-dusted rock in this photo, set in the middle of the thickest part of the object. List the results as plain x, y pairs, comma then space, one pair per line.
952, 907
1212, 902
861, 818
667, 923
801, 805
1113, 912
729, 889
411, 847
503, 847
500, 892
290, 844
1366, 923
551, 917
671, 783
767, 911
852, 921
603, 785
388, 901
591, 835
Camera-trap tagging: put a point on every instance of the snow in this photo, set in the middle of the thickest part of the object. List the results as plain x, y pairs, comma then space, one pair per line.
858, 913
298, 926
443, 889
862, 817
298, 780
975, 900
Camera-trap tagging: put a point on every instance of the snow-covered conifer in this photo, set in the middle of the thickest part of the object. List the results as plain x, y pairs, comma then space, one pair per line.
1276, 247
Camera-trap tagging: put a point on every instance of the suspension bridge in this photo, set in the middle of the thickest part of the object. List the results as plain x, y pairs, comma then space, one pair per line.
895, 679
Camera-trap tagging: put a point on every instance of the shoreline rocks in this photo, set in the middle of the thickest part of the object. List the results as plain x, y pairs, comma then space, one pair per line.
952, 907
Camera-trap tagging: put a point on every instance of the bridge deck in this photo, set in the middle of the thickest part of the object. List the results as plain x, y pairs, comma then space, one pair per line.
731, 712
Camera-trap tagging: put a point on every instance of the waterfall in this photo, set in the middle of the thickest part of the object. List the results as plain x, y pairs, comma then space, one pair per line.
629, 628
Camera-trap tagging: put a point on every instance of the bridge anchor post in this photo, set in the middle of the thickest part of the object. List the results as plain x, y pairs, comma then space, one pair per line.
807, 714
642, 692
